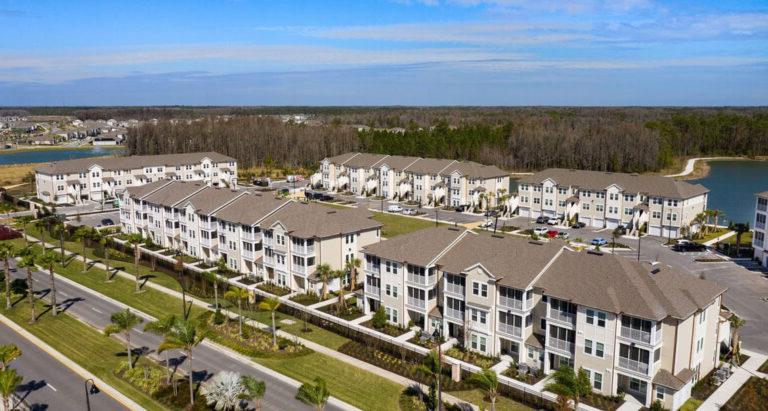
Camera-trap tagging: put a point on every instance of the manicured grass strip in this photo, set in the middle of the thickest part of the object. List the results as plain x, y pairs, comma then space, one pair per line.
82, 344
478, 396
396, 224
691, 405
296, 327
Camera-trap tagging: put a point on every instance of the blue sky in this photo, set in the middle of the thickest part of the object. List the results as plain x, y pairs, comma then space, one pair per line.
400, 52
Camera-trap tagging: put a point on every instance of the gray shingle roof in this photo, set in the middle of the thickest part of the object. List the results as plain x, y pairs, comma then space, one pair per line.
419, 247
365, 160
250, 209
633, 183
174, 192
140, 191
130, 162
210, 198
397, 163
676, 382
429, 165
341, 158
475, 170
317, 221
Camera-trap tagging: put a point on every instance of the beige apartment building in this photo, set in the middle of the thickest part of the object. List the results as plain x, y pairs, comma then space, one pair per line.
429, 181
660, 206
97, 179
759, 242
645, 330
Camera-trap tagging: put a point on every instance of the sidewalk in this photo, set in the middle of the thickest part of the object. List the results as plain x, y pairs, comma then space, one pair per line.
732, 384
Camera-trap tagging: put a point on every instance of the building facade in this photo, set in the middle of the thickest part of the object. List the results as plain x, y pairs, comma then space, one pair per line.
760, 235
97, 179
657, 205
648, 331
428, 181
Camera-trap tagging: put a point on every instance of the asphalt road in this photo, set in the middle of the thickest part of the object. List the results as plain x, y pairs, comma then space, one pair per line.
94, 220
49, 384
207, 361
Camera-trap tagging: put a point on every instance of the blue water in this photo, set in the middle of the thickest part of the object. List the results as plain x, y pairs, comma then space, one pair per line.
44, 156
733, 185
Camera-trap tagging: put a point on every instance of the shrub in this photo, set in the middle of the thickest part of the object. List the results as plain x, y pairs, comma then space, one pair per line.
147, 379
379, 319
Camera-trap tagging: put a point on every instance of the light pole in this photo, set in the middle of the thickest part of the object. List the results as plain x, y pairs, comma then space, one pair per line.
180, 267
94, 390
639, 236
437, 335
436, 217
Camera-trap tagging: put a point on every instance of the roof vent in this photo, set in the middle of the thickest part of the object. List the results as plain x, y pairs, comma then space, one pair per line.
331, 212
535, 242
594, 252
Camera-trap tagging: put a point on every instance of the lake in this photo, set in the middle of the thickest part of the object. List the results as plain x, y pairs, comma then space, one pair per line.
733, 185
45, 156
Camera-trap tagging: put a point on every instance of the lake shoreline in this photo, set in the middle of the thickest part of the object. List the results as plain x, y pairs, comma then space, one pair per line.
701, 167
57, 148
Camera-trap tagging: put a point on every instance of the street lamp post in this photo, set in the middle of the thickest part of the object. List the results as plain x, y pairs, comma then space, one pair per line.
93, 390
639, 236
437, 335
436, 217
180, 265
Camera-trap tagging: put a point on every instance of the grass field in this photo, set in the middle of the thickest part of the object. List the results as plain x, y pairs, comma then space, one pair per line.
82, 344
396, 224
478, 396
691, 405
13, 174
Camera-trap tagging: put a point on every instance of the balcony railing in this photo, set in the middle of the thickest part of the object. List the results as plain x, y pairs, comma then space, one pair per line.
304, 250
455, 289
760, 225
249, 236
208, 225
248, 255
301, 269
421, 279
637, 335
206, 241
415, 302
372, 268
563, 316
758, 243
510, 330
633, 365
268, 259
511, 303
454, 314
372, 290
559, 344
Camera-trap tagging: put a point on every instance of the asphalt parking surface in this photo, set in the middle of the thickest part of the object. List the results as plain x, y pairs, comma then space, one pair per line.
95, 220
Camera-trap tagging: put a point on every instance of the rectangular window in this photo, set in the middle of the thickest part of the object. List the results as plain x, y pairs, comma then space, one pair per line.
597, 380
588, 346
599, 350
479, 289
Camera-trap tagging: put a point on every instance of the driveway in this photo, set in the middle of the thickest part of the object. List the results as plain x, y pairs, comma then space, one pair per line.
95, 220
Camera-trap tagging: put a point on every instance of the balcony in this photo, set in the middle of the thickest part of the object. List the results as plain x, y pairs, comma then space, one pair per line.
302, 270
455, 289
374, 269
268, 241
171, 217
512, 303
248, 255
269, 259
250, 236
635, 334
208, 225
559, 344
421, 280
303, 250
762, 206
416, 303
633, 365
452, 313
372, 290
206, 241
760, 225
510, 330
562, 316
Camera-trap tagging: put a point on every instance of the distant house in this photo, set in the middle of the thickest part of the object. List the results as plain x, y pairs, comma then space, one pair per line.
45, 140
104, 140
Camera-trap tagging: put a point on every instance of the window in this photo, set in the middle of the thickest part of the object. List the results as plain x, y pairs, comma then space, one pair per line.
543, 324
599, 315
478, 343
585, 206
599, 350
656, 214
660, 392
614, 196
599, 208
388, 290
479, 289
703, 317
597, 380
588, 346
536, 200
478, 316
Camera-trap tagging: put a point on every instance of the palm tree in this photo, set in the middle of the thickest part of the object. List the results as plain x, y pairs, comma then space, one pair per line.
253, 390
701, 221
104, 241
221, 268
352, 266
28, 262
162, 327
48, 259
324, 273
82, 234
24, 221
271, 304
123, 322
7, 251
185, 335
135, 240
42, 225
717, 214
9, 382
488, 381
341, 275
238, 294
432, 367
223, 391
58, 231
569, 385
736, 324
314, 394
8, 353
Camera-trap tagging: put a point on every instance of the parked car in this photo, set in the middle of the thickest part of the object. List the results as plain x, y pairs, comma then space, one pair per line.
553, 221
262, 182
107, 222
394, 208
563, 235
461, 208
578, 224
542, 220
284, 191
552, 233
487, 224
409, 211
294, 178
599, 241
620, 230
688, 246
540, 231
491, 213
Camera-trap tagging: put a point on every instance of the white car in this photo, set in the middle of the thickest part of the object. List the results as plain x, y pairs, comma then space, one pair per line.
394, 208
487, 224
409, 211
553, 221
540, 231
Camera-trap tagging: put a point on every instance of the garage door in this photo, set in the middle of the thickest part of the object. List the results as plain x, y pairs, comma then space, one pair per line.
549, 213
654, 230
586, 220
525, 212
598, 223
535, 214
611, 223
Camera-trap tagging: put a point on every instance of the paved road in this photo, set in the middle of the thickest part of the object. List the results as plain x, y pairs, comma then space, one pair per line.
90, 308
48, 384
94, 220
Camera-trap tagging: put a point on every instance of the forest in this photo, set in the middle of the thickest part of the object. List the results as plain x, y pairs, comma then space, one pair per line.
515, 139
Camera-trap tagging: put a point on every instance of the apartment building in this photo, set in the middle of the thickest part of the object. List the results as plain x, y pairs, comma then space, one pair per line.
429, 181
759, 242
660, 206
645, 330
299, 237
97, 179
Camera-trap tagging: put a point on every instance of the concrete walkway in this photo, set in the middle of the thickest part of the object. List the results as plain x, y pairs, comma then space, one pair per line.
732, 384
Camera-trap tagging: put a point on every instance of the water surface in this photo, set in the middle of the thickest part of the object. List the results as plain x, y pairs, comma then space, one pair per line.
733, 184
45, 156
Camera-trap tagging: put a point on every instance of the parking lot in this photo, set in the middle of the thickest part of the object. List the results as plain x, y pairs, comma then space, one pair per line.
95, 220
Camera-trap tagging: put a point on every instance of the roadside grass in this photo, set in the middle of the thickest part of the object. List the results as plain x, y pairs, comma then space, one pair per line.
84, 345
478, 396
746, 239
711, 235
691, 405
395, 225
764, 368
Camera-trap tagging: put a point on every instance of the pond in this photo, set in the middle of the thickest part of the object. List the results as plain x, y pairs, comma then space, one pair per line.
45, 156
732, 185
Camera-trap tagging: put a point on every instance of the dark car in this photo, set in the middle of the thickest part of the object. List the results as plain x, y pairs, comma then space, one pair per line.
578, 224
542, 220
461, 208
491, 213
107, 221
688, 246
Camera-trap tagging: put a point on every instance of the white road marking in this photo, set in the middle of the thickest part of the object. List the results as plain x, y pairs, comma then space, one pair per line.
51, 387
97, 310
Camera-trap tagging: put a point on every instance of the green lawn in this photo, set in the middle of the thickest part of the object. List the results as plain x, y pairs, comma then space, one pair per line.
691, 405
82, 344
711, 235
746, 239
397, 224
477, 396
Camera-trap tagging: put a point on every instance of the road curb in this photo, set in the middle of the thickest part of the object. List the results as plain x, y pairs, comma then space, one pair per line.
103, 386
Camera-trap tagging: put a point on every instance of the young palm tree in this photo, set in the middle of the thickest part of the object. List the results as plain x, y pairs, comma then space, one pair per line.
736, 324
9, 382
324, 273
271, 304
7, 251
253, 390
123, 322
82, 234
8, 353
28, 262
352, 266
221, 269
24, 221
315, 394
58, 231
104, 242
489, 382
569, 385
185, 335
42, 224
238, 294
340, 274
48, 259
223, 391
431, 366
162, 327
135, 240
